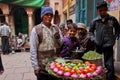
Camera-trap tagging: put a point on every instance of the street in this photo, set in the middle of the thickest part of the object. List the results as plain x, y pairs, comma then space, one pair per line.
17, 67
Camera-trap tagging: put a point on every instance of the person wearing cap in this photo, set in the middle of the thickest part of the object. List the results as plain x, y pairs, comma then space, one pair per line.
104, 30
83, 35
45, 44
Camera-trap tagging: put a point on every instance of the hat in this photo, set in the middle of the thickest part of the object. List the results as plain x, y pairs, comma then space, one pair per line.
45, 10
70, 20
81, 25
101, 4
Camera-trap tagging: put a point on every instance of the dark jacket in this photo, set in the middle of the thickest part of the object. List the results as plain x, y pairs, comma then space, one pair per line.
1, 65
104, 33
86, 43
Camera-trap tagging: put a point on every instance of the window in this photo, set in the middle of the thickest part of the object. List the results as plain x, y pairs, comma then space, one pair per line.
56, 6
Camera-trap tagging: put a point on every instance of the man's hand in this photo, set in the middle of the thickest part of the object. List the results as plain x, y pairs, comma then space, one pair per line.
36, 72
57, 35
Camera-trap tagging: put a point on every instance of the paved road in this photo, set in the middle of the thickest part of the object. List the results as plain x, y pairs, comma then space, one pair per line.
17, 67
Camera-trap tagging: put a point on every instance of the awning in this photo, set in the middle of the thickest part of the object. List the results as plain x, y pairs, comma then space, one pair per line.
28, 3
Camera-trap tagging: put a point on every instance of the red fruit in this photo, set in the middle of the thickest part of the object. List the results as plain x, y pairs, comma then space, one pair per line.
91, 70
93, 65
58, 66
61, 68
80, 71
85, 71
72, 71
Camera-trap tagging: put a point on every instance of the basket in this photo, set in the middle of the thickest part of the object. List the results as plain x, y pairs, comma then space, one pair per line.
101, 76
99, 62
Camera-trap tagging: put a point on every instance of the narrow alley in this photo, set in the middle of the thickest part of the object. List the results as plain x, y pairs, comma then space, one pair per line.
17, 67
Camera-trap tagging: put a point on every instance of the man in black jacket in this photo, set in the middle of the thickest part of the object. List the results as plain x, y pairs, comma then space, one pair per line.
103, 31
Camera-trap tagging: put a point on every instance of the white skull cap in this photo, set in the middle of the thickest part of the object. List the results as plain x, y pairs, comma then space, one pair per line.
81, 25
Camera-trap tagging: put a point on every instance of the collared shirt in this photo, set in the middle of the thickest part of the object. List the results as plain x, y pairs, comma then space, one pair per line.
5, 30
46, 44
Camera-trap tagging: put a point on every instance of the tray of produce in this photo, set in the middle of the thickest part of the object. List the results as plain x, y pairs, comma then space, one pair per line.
93, 57
75, 69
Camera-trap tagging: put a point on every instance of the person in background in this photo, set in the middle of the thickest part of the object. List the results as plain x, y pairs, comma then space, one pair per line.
103, 31
83, 35
5, 35
45, 40
64, 29
70, 42
69, 21
19, 41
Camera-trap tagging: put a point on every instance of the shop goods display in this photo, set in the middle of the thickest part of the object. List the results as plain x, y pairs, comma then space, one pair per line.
75, 69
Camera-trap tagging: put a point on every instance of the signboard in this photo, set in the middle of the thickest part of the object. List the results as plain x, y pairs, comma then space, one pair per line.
72, 10
112, 4
28, 3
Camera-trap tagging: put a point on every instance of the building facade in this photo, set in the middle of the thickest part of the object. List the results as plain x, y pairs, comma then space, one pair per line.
69, 10
16, 16
57, 6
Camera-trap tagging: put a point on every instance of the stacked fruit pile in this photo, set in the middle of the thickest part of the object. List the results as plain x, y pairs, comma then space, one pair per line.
69, 69
92, 55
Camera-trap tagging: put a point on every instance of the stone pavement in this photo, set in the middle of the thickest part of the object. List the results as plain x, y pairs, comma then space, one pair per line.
17, 67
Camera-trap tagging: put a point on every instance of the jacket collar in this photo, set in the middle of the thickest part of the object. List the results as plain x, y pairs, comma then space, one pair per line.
99, 17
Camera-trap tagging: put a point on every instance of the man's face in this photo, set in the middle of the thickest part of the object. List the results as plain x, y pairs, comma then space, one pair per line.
68, 23
47, 18
102, 11
81, 32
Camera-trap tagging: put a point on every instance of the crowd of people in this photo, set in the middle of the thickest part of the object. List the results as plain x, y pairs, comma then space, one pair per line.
48, 40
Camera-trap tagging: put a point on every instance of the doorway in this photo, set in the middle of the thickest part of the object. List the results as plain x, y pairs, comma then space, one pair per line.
20, 21
2, 17
37, 16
